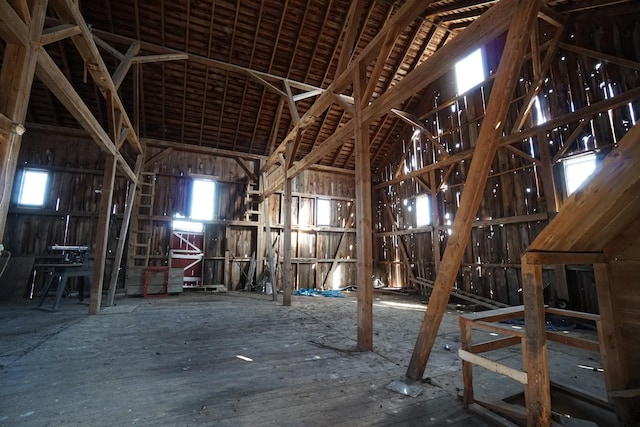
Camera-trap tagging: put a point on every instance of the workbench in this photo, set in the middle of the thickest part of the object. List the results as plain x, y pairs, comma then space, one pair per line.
62, 272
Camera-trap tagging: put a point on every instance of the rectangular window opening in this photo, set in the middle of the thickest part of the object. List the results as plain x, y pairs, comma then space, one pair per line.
323, 212
470, 71
577, 169
423, 211
33, 187
201, 206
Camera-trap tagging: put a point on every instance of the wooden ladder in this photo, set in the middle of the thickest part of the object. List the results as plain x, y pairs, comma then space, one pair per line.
142, 222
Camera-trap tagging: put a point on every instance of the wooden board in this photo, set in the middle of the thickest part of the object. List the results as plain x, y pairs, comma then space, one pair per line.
135, 281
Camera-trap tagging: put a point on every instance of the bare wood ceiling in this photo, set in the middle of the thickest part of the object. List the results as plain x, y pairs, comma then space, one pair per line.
245, 57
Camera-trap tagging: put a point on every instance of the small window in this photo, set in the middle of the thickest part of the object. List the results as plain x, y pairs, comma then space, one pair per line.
323, 212
577, 170
202, 197
186, 225
201, 207
33, 187
423, 211
470, 71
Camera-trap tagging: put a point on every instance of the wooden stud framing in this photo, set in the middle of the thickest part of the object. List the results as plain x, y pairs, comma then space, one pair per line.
517, 40
535, 357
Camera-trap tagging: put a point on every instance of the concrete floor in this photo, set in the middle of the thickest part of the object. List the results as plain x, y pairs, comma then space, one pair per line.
237, 359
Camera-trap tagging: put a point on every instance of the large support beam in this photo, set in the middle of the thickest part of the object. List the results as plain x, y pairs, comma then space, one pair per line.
102, 234
12, 28
484, 29
534, 353
16, 76
364, 236
69, 13
286, 243
124, 229
616, 375
55, 80
518, 37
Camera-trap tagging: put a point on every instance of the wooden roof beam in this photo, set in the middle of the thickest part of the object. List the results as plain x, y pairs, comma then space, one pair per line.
484, 29
123, 68
69, 13
50, 74
57, 33
106, 46
351, 28
12, 28
407, 14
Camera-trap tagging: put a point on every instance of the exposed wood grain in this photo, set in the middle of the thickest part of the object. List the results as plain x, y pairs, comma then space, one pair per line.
535, 358
510, 64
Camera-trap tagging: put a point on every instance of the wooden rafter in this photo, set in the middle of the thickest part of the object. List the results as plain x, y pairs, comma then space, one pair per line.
69, 13
61, 32
50, 74
485, 28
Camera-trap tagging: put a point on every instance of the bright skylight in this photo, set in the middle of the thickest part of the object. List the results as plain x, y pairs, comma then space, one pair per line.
33, 187
577, 170
470, 71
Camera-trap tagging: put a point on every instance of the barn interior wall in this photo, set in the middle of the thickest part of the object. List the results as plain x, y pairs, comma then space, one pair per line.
323, 256
515, 206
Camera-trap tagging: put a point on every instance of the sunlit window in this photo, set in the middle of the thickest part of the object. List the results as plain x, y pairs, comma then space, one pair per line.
186, 225
323, 212
201, 206
470, 71
423, 211
202, 196
33, 187
577, 170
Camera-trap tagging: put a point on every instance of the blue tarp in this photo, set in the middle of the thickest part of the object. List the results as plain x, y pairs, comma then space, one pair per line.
315, 292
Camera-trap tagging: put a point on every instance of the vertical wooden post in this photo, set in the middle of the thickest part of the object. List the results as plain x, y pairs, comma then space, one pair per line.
546, 174
616, 375
261, 241
271, 256
124, 229
16, 76
535, 358
102, 235
518, 38
364, 244
437, 220
286, 243
467, 367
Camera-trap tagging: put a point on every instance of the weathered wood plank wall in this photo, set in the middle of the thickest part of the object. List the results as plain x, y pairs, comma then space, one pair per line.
230, 240
515, 207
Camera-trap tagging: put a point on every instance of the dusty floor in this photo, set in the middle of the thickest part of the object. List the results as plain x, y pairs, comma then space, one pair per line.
238, 359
